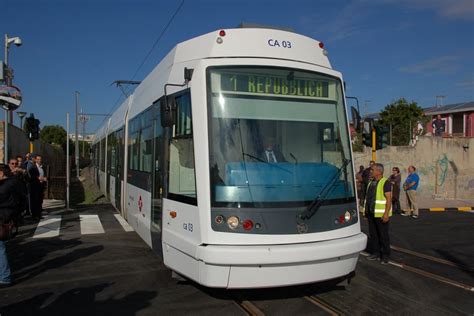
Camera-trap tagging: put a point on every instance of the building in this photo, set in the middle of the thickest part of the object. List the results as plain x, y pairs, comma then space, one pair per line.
89, 138
458, 117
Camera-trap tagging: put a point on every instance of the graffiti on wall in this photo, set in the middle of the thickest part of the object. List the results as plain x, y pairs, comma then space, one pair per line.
443, 164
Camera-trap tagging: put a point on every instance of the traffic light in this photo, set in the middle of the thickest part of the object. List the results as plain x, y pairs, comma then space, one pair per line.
367, 139
36, 129
381, 137
367, 133
32, 127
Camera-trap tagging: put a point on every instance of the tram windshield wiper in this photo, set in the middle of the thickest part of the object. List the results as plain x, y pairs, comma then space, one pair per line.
323, 194
268, 163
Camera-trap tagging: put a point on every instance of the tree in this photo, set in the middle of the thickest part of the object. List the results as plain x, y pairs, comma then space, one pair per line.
54, 134
403, 117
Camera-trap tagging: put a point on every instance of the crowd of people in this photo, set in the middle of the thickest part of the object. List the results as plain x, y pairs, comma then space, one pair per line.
22, 186
379, 197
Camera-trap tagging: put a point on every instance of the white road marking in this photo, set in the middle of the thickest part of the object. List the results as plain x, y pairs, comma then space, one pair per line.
48, 227
124, 223
90, 224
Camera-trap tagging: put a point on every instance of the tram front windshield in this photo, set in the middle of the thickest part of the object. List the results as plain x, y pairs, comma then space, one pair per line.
278, 138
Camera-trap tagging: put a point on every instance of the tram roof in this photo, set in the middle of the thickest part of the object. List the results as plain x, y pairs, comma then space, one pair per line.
235, 43
117, 119
253, 42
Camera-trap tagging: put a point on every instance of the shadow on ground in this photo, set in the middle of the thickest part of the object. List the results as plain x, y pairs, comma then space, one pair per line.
81, 301
265, 294
29, 259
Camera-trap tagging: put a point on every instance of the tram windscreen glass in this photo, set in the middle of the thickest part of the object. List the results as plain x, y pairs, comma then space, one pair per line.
277, 136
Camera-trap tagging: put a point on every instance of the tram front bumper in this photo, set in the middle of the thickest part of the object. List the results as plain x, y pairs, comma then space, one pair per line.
278, 265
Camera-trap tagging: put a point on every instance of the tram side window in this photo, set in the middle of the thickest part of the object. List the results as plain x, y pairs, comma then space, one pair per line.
182, 177
146, 138
134, 141
111, 156
102, 155
141, 137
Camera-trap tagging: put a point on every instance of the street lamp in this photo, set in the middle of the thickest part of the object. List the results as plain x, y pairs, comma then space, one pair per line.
21, 115
9, 40
8, 80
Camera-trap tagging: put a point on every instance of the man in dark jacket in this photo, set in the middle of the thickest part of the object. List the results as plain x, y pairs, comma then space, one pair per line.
9, 198
20, 175
270, 152
439, 126
35, 189
366, 174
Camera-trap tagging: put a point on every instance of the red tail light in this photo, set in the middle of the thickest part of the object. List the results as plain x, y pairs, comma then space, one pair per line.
341, 219
221, 33
247, 224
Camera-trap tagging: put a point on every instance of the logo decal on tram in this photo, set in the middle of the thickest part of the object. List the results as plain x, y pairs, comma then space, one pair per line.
140, 204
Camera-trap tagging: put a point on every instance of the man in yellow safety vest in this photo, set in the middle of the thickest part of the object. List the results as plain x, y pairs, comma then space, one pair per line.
378, 209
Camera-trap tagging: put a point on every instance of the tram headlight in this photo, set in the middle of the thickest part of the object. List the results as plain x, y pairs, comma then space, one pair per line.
233, 222
219, 219
347, 216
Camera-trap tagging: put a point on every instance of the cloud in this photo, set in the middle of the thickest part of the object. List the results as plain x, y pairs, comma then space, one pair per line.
344, 23
437, 65
453, 9
353, 18
469, 83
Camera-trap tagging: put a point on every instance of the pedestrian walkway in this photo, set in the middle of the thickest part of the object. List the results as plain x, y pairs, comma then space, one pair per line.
53, 204
437, 205
48, 227
89, 224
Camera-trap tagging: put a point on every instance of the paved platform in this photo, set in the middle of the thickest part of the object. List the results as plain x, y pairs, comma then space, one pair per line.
429, 202
106, 269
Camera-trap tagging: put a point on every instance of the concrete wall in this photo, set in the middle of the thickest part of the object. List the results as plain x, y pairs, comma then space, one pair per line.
18, 144
445, 167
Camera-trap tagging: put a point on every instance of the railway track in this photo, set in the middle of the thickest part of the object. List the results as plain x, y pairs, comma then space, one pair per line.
425, 273
317, 306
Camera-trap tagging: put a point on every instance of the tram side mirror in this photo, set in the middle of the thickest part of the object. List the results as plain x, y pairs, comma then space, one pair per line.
168, 111
188, 74
355, 118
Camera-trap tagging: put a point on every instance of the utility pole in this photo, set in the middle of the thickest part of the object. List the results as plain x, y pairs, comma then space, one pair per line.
83, 118
374, 145
390, 134
77, 136
68, 172
366, 107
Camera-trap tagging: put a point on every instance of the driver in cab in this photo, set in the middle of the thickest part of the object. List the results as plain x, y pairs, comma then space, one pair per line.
270, 151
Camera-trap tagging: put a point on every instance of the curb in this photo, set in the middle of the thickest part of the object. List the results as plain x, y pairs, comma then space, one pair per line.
444, 209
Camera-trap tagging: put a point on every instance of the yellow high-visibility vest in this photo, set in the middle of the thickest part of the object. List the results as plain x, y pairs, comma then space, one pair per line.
380, 200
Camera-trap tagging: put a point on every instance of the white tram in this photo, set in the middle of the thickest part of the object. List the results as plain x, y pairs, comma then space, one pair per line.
232, 160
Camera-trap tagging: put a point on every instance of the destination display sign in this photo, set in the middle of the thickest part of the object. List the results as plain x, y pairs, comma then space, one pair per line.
274, 85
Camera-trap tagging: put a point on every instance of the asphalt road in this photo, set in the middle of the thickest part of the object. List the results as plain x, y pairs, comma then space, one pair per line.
115, 273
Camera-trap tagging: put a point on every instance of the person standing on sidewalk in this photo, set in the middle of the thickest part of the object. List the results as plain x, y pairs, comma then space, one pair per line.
9, 199
366, 177
396, 180
410, 186
360, 191
35, 189
378, 206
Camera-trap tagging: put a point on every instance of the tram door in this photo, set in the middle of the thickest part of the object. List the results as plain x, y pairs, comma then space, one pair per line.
108, 164
119, 149
157, 180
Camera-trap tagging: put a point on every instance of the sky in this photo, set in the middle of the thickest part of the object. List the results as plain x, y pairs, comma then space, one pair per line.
385, 49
